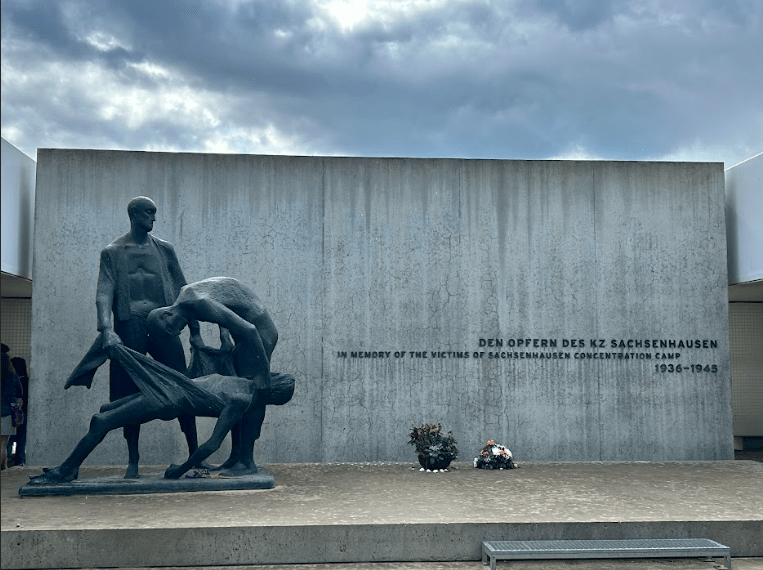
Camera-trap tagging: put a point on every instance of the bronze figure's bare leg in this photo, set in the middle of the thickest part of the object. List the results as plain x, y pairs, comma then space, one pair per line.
235, 451
251, 426
129, 411
228, 418
132, 435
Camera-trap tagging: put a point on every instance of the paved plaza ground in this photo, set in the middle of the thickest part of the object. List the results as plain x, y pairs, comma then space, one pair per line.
660, 564
576, 499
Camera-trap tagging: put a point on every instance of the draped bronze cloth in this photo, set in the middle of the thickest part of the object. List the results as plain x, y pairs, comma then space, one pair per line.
165, 389
169, 390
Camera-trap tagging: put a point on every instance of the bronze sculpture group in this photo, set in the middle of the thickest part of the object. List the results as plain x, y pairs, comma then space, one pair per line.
141, 284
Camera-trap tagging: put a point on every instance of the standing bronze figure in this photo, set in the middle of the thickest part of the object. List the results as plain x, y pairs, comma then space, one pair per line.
139, 273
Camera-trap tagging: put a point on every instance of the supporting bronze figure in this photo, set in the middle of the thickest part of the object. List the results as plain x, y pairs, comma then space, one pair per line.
237, 309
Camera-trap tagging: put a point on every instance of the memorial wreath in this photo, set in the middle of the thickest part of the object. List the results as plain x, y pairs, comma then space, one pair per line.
494, 456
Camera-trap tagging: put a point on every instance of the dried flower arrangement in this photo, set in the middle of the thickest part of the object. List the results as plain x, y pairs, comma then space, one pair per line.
435, 449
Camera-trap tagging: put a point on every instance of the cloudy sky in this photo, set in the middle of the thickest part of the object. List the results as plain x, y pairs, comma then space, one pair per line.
648, 80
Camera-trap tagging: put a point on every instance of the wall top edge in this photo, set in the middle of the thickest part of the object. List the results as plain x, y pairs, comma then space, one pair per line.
746, 160
349, 157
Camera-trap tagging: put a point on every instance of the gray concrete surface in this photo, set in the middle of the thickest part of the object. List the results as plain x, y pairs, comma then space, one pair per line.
392, 512
411, 262
654, 564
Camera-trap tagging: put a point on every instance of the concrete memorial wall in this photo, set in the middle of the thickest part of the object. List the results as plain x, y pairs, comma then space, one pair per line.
569, 310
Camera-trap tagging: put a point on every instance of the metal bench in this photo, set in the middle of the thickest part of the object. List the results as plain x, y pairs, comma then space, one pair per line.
629, 548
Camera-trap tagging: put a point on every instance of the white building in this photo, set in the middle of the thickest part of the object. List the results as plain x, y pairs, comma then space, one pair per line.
18, 185
744, 230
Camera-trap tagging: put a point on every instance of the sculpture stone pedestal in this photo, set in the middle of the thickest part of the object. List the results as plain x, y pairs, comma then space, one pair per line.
151, 483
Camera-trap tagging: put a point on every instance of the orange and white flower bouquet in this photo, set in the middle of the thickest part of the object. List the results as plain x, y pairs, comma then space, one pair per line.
495, 456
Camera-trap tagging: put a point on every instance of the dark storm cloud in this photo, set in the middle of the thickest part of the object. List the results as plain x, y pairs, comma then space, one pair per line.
523, 79
43, 22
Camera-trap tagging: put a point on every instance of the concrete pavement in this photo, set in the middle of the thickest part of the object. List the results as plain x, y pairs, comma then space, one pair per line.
654, 564
354, 513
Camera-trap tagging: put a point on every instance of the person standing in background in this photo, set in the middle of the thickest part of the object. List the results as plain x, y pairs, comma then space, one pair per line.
10, 393
18, 456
